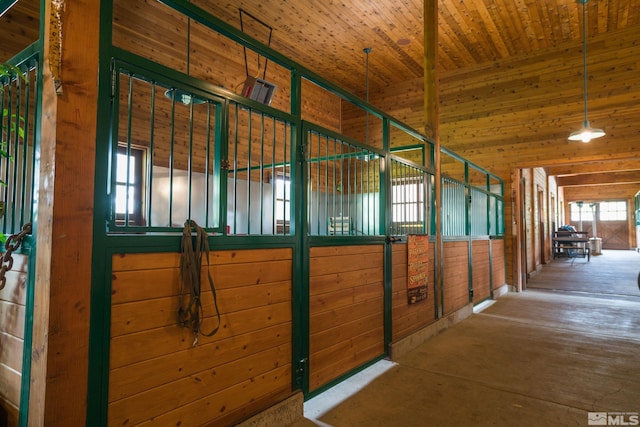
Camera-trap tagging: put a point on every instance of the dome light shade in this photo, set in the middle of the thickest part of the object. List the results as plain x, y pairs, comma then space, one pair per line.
586, 134
181, 96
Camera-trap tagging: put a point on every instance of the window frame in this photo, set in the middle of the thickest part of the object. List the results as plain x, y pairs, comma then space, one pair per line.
139, 156
608, 203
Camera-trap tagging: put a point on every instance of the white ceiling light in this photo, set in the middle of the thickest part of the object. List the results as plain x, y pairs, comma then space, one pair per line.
586, 133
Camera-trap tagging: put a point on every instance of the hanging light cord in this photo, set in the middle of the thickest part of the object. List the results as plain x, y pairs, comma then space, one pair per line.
584, 54
366, 51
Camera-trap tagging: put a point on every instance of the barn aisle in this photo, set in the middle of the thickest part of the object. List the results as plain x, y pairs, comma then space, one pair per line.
612, 274
550, 356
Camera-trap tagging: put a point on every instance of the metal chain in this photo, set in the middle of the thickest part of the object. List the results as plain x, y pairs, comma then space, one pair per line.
11, 245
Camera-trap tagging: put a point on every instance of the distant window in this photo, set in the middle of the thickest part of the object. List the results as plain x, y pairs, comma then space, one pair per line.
128, 189
583, 213
613, 211
408, 201
283, 197
282, 203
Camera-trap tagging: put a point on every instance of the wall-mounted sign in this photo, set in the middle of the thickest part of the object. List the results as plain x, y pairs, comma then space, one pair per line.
417, 267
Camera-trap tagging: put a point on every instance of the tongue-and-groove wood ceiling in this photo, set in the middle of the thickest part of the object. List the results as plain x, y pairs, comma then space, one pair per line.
329, 36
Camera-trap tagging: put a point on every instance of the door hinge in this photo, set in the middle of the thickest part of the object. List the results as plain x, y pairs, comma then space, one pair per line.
301, 369
302, 366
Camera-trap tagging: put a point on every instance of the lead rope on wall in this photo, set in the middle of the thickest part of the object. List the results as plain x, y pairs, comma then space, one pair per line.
190, 312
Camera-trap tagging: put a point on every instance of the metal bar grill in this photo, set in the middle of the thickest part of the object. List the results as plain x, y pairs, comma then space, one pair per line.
454, 208
18, 121
344, 187
259, 190
163, 156
479, 212
410, 189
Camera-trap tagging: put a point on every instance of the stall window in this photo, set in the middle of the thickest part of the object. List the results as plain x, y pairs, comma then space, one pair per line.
613, 211
129, 175
282, 203
581, 212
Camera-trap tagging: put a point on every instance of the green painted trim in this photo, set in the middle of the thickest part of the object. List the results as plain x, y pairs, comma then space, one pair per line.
5, 5
343, 377
322, 131
490, 269
29, 248
30, 57
386, 208
220, 174
99, 326
470, 269
301, 292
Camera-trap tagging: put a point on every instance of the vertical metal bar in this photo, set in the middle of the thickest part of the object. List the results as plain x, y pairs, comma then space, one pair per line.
149, 160
34, 139
249, 136
207, 166
334, 188
171, 159
26, 176
313, 197
326, 180
287, 172
235, 171
274, 181
345, 187
128, 151
3, 94
349, 191
374, 188
190, 163
9, 195
261, 177
359, 199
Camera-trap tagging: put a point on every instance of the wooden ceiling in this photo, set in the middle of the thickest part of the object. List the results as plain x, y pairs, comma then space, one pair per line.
329, 36
335, 33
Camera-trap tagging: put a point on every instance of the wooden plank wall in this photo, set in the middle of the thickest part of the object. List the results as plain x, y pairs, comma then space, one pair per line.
498, 273
598, 193
346, 310
455, 276
480, 270
155, 372
407, 318
12, 315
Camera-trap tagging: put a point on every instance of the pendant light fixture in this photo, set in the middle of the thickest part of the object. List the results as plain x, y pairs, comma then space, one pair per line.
586, 133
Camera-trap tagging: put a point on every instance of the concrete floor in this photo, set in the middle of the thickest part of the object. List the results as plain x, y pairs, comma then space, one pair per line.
549, 356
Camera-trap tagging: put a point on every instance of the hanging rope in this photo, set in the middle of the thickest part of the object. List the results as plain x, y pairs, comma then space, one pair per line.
190, 313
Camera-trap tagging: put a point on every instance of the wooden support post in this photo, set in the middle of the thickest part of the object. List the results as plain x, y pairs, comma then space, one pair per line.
65, 215
431, 120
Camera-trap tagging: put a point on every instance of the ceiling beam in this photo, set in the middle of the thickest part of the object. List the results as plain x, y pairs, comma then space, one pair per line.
594, 167
629, 177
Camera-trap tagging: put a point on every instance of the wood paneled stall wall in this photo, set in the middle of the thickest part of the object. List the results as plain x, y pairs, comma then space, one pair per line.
157, 374
12, 323
498, 267
409, 318
346, 310
481, 270
455, 275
